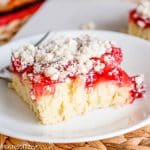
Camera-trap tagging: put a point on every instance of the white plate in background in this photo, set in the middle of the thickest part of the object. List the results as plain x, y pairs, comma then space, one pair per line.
18, 121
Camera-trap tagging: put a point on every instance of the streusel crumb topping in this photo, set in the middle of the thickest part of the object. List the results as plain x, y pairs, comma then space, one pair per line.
144, 9
64, 57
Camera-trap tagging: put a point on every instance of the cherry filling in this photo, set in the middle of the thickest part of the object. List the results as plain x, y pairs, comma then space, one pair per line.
135, 17
42, 85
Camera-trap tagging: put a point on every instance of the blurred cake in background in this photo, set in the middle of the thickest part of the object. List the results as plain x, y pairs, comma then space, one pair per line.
139, 20
13, 13
8, 5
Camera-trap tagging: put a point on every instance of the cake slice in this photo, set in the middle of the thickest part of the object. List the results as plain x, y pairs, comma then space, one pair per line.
66, 77
139, 20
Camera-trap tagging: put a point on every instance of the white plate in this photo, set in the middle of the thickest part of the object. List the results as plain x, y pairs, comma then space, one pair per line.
17, 120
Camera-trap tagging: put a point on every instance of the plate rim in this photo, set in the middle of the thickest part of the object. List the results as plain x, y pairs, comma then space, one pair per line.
73, 31
81, 139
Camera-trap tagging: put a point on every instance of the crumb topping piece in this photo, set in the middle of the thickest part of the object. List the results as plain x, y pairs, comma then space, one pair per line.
139, 87
64, 57
89, 26
144, 9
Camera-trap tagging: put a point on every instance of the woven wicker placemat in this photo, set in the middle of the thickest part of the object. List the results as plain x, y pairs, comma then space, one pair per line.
137, 140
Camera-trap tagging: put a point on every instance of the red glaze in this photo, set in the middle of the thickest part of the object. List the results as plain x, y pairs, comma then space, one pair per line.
135, 17
111, 72
121, 78
5, 19
39, 88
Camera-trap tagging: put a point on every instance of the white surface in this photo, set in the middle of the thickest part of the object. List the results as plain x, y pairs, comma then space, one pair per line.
70, 14
17, 120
